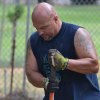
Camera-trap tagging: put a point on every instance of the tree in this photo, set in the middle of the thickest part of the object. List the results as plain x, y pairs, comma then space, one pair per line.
13, 18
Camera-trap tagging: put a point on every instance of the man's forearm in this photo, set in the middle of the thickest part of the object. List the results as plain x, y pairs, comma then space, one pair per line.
84, 66
36, 79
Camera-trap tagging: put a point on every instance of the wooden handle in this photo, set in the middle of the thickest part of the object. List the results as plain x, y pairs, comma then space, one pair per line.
51, 96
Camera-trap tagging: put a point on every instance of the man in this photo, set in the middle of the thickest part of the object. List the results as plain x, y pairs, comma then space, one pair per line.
72, 50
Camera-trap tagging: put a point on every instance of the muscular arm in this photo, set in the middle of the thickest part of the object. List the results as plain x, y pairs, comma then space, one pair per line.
87, 61
33, 75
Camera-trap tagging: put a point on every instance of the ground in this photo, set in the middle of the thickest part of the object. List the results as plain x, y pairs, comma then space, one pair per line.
32, 93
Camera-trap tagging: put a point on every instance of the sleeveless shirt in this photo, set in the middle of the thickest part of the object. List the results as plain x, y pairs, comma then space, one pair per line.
73, 85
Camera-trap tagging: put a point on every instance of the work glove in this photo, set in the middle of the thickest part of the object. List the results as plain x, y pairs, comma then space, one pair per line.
57, 60
51, 85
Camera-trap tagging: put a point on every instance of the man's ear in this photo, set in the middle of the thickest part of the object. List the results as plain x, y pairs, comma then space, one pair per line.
56, 18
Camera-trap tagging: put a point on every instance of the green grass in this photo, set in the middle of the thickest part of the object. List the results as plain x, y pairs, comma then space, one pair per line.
85, 16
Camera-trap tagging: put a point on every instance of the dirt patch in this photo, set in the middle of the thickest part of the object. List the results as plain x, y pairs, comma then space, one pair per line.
17, 95
32, 93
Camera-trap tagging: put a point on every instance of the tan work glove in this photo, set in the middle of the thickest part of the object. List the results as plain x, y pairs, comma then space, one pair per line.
57, 60
51, 85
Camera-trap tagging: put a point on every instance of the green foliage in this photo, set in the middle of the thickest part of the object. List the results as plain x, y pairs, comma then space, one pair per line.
85, 16
16, 13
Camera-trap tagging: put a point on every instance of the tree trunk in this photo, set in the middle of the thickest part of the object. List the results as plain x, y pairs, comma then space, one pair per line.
13, 55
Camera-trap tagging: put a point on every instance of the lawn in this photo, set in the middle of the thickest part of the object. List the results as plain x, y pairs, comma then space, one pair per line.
85, 16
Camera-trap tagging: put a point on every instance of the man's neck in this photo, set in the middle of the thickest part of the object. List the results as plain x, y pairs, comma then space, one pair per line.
59, 26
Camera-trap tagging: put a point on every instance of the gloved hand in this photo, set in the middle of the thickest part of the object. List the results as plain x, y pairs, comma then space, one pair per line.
57, 60
51, 85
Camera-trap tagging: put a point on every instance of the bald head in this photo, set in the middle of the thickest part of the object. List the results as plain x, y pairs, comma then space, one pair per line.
43, 10
46, 20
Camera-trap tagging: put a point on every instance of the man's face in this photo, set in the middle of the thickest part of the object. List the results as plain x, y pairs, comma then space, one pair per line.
46, 28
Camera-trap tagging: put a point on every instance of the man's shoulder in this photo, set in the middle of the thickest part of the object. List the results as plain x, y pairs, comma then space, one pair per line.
71, 28
34, 35
71, 24
33, 38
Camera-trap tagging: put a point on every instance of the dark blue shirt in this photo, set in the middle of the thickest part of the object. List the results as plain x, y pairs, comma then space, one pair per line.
73, 85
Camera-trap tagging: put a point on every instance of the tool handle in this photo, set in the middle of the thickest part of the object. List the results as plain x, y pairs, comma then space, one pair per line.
51, 97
